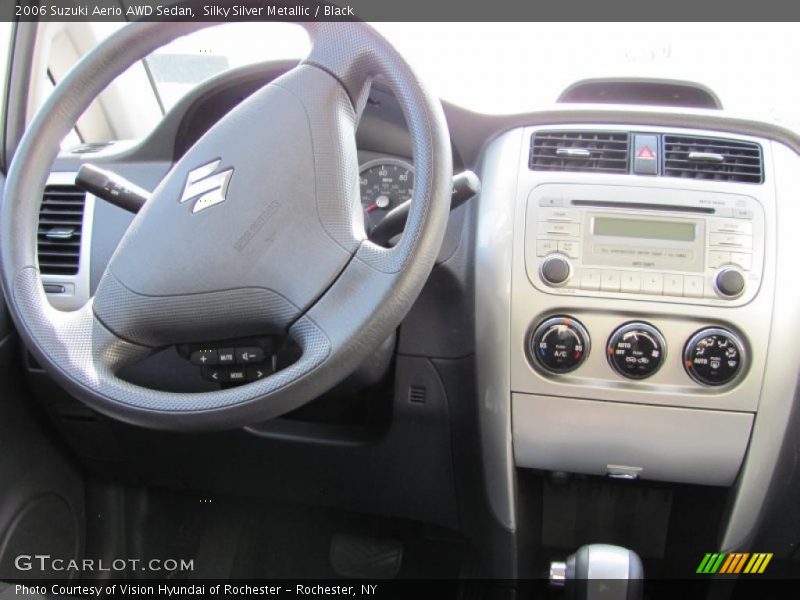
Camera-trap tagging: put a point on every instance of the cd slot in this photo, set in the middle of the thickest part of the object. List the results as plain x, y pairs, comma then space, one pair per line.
703, 210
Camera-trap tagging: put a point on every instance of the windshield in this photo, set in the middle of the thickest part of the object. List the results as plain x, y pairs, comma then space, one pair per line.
501, 68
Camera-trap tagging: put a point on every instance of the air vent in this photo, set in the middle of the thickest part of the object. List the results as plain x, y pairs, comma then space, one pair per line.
60, 228
594, 151
714, 159
417, 394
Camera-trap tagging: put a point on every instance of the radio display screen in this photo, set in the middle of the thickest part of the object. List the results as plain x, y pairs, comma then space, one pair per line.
645, 229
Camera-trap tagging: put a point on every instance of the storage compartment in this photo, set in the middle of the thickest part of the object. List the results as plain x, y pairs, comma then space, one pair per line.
613, 438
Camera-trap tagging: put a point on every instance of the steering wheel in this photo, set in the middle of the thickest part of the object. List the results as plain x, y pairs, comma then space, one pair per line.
238, 239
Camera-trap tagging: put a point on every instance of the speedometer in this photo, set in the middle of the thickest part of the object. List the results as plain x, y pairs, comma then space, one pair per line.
385, 184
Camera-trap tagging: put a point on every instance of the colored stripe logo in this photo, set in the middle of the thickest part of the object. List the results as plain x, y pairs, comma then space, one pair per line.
734, 563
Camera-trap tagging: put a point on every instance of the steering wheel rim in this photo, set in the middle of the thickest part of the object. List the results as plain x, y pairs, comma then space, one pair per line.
132, 314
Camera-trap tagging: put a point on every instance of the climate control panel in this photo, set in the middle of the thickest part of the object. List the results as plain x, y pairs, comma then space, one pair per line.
637, 350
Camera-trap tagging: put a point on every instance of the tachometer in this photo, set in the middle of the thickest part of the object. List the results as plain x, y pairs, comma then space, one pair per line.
385, 184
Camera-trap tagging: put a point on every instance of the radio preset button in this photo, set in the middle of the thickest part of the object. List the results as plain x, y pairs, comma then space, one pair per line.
673, 285
742, 259
555, 270
545, 247
569, 248
652, 283
693, 286
731, 239
548, 228
609, 281
630, 281
590, 279
636, 350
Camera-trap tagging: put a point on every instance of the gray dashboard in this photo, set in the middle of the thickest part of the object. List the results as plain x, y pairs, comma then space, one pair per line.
591, 420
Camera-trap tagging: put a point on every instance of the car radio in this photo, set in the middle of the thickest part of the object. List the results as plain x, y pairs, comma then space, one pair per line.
669, 244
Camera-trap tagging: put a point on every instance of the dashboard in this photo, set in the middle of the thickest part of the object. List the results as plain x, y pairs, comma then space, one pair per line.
624, 282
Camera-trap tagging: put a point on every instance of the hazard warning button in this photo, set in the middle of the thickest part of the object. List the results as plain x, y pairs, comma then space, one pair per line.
645, 154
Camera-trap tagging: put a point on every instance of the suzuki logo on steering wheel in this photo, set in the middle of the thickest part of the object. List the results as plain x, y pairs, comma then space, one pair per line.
208, 187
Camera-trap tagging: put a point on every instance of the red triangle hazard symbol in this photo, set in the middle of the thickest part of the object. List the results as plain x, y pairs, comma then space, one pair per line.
646, 153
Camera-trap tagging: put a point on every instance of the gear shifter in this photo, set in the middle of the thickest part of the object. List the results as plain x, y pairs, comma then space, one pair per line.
600, 572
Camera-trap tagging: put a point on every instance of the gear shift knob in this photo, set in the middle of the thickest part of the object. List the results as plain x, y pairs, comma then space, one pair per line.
600, 572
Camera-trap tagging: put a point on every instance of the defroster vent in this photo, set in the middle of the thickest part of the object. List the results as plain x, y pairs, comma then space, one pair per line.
592, 151
60, 229
713, 159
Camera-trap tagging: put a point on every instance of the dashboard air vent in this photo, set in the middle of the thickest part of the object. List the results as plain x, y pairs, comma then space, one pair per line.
594, 151
714, 159
60, 228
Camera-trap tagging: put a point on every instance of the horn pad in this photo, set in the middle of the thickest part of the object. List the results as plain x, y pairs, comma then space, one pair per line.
249, 228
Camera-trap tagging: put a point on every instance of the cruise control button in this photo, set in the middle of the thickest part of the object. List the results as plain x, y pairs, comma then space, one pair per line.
249, 355
226, 356
204, 357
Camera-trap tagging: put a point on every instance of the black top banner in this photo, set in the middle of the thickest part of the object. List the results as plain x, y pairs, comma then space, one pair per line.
399, 10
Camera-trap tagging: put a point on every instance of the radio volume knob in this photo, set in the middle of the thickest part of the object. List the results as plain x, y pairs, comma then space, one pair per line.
555, 269
729, 282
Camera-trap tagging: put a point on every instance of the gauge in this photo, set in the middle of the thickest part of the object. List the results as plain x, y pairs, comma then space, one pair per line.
385, 184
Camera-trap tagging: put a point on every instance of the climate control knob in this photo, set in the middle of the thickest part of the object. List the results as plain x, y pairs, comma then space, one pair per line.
729, 282
555, 269
636, 350
559, 344
714, 356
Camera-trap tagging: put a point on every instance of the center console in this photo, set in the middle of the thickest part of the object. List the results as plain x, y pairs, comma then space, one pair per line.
624, 309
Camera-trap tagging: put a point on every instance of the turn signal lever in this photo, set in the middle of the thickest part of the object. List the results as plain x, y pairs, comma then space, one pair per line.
111, 188
465, 185
600, 571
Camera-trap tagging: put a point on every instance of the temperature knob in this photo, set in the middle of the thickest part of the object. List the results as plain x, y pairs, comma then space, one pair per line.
713, 356
636, 350
559, 344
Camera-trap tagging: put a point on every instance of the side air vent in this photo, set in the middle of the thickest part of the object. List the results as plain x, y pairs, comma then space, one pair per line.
714, 159
60, 229
592, 151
